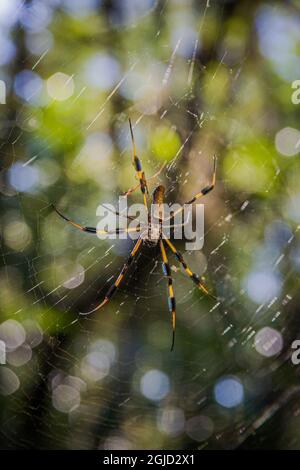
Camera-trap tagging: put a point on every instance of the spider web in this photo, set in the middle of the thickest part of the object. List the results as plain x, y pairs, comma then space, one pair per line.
109, 380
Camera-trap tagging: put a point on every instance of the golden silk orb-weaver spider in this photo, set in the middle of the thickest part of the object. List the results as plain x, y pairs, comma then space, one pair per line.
152, 233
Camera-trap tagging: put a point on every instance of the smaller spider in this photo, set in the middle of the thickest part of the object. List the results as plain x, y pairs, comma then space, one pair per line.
151, 233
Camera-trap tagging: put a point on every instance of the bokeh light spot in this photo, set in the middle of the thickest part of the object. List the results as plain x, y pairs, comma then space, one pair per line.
268, 342
9, 381
76, 277
65, 398
28, 85
80, 8
7, 50
60, 86
199, 428
262, 286
17, 235
155, 385
12, 333
20, 356
287, 141
229, 392
23, 178
34, 333
95, 366
9, 11
102, 71
171, 421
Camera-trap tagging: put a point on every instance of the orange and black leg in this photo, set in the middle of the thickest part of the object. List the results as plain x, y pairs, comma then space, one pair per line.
171, 299
138, 168
119, 279
132, 190
94, 230
193, 276
202, 193
208, 188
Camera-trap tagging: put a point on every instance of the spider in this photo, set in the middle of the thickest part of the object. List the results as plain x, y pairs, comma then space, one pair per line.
152, 235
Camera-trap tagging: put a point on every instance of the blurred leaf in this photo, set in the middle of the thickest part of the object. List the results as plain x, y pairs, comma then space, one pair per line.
165, 143
249, 166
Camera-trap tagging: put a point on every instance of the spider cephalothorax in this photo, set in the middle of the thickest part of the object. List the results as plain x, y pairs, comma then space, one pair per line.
152, 233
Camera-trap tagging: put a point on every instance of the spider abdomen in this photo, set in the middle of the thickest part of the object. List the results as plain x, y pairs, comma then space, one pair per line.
159, 194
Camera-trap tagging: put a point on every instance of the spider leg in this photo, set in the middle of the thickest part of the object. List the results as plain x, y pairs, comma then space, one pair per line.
193, 276
132, 190
208, 188
202, 193
119, 279
183, 224
129, 217
138, 168
81, 227
94, 230
171, 298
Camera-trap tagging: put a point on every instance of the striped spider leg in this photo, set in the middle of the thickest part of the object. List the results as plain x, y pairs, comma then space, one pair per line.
194, 277
119, 279
167, 272
138, 168
202, 193
96, 231
171, 296
132, 190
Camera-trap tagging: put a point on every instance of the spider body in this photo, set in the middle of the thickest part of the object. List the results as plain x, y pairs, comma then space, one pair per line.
153, 234
155, 217
158, 195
